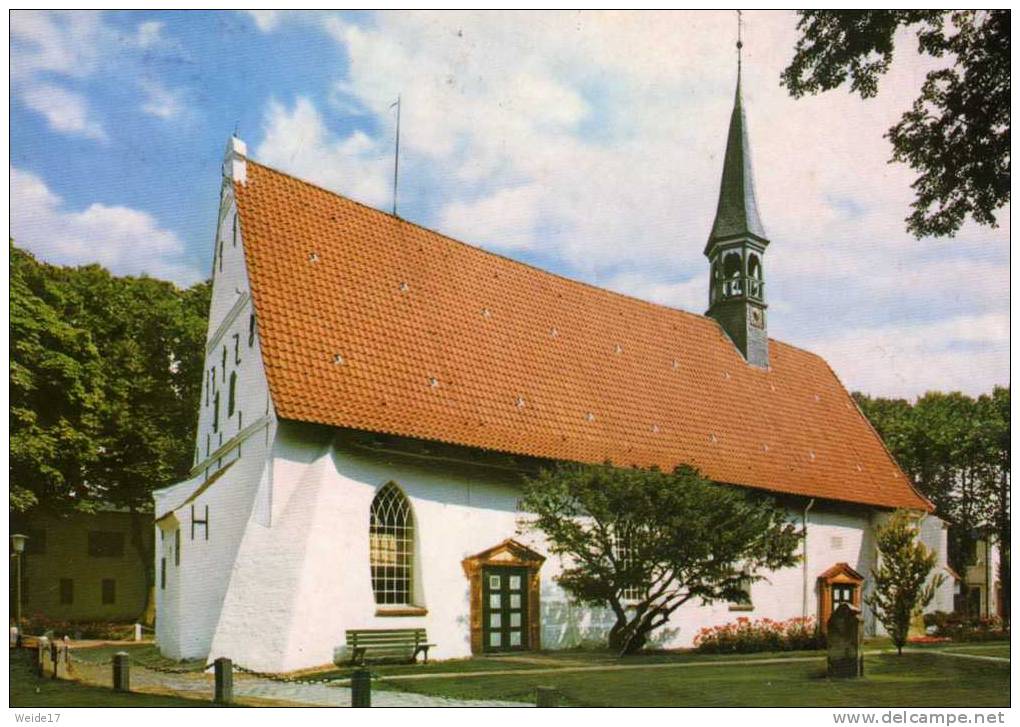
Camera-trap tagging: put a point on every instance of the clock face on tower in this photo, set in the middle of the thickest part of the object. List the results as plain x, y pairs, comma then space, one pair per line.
756, 316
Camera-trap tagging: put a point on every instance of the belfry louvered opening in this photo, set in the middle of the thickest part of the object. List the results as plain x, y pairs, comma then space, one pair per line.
391, 547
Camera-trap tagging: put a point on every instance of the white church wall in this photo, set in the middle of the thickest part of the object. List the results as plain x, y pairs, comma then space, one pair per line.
934, 534
301, 583
188, 608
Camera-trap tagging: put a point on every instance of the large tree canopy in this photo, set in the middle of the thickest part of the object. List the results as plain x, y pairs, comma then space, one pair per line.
956, 134
105, 380
644, 542
956, 450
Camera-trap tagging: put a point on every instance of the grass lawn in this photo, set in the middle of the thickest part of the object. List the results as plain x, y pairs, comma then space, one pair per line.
28, 690
911, 680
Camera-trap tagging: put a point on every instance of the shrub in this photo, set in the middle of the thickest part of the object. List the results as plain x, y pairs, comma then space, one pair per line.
745, 636
40, 625
961, 627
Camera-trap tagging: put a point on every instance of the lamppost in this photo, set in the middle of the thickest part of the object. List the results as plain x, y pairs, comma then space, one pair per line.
18, 546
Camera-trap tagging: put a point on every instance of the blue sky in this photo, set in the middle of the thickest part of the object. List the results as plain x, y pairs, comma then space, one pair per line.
586, 143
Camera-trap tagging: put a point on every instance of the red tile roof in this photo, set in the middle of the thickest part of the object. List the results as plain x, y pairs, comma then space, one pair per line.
373, 323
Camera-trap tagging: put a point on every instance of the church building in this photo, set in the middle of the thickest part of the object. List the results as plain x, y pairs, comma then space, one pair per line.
374, 392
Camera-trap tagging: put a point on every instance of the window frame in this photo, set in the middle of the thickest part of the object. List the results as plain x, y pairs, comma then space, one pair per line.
391, 540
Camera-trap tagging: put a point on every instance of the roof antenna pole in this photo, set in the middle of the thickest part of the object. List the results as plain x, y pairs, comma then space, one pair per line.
396, 156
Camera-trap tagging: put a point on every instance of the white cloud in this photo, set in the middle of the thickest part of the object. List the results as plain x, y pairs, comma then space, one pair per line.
962, 353
162, 102
297, 141
66, 43
65, 111
265, 20
594, 141
78, 45
124, 240
149, 34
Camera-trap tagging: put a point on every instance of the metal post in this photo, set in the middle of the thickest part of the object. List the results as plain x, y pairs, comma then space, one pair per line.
224, 670
547, 697
361, 688
17, 612
42, 649
122, 672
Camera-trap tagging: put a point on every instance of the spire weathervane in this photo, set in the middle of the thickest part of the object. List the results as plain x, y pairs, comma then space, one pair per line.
740, 40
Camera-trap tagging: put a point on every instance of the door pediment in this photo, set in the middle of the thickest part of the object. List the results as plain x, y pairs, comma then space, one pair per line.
508, 552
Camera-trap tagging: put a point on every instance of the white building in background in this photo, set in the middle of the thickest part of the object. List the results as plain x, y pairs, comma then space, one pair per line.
374, 392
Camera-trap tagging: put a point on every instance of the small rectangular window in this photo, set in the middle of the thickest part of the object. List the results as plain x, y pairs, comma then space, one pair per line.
109, 591
106, 544
235, 229
216, 413
162, 573
232, 394
223, 373
36, 543
251, 330
66, 591
177, 547
207, 440
237, 349
221, 256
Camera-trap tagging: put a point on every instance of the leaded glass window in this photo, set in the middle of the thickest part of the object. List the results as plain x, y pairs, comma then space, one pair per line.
391, 547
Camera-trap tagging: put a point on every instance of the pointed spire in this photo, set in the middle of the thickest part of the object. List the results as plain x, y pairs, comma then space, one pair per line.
737, 213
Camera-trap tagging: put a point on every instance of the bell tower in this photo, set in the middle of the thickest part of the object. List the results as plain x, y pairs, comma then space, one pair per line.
736, 246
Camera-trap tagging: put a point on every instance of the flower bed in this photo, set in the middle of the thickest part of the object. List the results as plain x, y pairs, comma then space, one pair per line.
745, 636
958, 627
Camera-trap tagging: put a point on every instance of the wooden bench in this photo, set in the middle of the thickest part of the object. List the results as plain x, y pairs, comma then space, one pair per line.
383, 643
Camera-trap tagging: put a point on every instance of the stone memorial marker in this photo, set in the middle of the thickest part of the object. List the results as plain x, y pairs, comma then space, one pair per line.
845, 631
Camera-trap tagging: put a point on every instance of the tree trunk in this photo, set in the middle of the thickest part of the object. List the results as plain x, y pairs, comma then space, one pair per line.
139, 521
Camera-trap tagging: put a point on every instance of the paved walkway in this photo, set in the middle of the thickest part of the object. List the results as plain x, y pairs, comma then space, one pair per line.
196, 685
958, 655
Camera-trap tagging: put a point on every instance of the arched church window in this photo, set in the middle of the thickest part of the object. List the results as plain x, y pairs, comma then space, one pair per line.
731, 265
391, 546
754, 267
733, 284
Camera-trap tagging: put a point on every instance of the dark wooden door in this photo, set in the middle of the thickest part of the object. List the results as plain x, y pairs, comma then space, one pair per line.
504, 609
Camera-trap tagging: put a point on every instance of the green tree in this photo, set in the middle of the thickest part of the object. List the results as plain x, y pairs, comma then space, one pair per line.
56, 392
106, 375
956, 135
670, 538
956, 450
901, 584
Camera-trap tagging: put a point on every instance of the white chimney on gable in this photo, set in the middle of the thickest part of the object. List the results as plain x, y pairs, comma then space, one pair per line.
235, 163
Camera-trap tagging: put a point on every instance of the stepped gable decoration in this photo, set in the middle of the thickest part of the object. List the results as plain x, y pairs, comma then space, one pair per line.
370, 322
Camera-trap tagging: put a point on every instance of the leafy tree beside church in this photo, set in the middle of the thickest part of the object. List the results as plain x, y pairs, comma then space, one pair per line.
642, 543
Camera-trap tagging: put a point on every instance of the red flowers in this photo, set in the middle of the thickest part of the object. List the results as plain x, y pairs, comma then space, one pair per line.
745, 636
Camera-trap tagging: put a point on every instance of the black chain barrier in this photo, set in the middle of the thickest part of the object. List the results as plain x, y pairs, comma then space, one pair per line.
288, 679
196, 670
